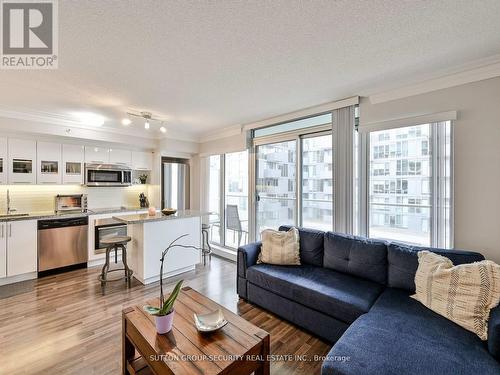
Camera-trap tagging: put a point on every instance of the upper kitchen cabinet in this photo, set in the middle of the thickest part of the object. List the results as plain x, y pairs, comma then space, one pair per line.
120, 156
3, 160
49, 163
96, 154
73, 157
142, 160
22, 161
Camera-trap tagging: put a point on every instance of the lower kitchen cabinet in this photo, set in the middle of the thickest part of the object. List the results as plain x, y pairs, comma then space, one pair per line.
18, 241
3, 251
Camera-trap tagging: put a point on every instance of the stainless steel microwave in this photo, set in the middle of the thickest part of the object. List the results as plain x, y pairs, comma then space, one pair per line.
107, 175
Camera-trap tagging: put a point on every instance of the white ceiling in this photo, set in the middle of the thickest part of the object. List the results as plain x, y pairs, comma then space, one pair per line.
207, 65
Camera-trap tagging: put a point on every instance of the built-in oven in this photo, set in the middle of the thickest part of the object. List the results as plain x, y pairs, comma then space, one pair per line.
107, 175
106, 228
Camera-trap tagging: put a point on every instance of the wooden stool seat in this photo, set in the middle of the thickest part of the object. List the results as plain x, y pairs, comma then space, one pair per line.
116, 240
113, 244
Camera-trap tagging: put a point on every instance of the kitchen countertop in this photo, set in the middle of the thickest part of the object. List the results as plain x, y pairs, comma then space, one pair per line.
39, 215
145, 218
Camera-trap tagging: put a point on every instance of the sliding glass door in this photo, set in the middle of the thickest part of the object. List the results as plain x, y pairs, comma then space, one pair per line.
276, 185
236, 199
294, 182
228, 199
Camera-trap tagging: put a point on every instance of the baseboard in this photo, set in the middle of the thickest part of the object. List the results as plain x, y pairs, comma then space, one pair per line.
18, 278
224, 253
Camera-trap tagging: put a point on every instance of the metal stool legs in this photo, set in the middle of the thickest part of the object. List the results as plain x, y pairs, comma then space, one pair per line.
103, 277
206, 252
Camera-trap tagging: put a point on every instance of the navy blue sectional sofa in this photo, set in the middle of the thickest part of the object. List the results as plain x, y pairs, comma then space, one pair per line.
354, 292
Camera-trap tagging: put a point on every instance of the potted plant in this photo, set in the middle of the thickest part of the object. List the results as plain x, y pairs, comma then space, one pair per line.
143, 178
164, 315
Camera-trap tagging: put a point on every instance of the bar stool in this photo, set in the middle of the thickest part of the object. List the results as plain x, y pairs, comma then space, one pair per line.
204, 232
115, 243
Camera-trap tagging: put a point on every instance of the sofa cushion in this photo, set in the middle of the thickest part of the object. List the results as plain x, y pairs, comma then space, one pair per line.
280, 247
399, 335
311, 245
341, 296
358, 256
403, 263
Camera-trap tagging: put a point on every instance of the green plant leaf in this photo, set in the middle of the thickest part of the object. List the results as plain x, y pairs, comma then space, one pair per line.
169, 302
152, 310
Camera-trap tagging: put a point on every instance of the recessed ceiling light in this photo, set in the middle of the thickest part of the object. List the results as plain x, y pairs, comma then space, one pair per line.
90, 119
126, 121
146, 124
163, 130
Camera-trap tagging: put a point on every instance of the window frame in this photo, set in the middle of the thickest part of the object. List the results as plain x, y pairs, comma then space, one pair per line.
296, 136
435, 146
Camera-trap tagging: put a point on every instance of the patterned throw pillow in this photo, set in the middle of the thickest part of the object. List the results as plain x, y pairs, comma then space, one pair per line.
280, 247
464, 294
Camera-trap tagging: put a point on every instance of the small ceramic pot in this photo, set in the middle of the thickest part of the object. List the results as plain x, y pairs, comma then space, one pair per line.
164, 323
152, 211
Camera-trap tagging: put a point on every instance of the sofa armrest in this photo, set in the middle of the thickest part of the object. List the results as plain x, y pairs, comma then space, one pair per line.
494, 332
247, 257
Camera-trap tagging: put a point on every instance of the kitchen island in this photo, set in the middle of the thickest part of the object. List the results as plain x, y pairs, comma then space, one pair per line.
152, 234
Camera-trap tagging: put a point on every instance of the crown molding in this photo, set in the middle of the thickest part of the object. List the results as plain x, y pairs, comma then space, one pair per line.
309, 111
477, 71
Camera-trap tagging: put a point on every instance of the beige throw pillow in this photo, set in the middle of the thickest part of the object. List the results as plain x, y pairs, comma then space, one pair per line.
464, 294
280, 247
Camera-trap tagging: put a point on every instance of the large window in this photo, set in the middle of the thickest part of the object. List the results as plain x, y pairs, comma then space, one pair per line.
409, 184
317, 182
228, 198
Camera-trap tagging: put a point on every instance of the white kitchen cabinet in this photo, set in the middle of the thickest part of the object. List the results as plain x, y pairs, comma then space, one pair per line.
22, 161
21, 239
142, 160
3, 251
120, 156
73, 157
96, 154
49, 157
3, 161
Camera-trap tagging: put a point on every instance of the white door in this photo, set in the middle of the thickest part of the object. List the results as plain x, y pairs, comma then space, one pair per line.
96, 154
21, 247
3, 251
22, 161
48, 163
73, 157
3, 161
142, 160
120, 156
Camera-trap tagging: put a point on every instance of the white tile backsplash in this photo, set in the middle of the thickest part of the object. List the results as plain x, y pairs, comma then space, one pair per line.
33, 198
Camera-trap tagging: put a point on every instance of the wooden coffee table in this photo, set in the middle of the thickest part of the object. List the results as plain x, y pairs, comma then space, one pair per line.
237, 348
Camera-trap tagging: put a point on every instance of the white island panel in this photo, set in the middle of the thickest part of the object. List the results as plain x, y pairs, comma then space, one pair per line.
150, 238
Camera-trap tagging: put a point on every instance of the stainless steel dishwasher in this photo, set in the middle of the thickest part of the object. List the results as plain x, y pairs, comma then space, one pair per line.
62, 242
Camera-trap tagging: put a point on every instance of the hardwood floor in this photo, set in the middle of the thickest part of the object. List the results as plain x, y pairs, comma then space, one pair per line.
63, 325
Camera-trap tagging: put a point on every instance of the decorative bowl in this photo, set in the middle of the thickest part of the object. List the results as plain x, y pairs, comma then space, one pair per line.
209, 322
168, 211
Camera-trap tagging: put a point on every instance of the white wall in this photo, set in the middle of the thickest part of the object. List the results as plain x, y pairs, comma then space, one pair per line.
477, 155
232, 143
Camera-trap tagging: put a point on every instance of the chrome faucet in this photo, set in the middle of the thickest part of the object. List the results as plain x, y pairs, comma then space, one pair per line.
9, 210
